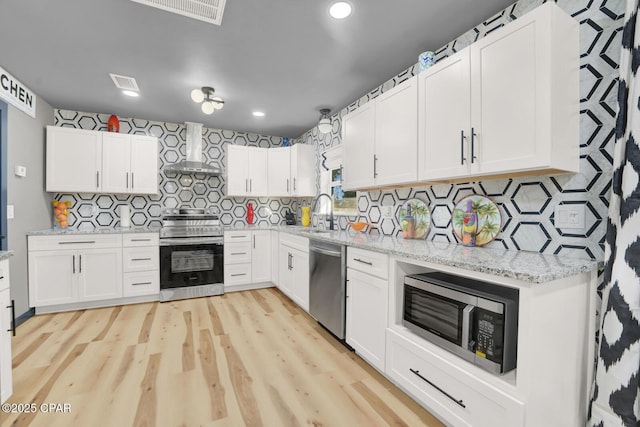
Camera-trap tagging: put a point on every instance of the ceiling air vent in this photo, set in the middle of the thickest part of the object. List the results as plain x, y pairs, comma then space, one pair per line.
124, 82
204, 10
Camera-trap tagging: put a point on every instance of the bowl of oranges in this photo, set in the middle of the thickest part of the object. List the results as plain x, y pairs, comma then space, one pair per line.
61, 213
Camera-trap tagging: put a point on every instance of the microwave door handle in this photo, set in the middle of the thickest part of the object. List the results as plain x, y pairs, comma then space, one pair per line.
467, 324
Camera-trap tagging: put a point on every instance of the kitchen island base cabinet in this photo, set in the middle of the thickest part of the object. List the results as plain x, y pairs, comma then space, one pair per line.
293, 258
6, 329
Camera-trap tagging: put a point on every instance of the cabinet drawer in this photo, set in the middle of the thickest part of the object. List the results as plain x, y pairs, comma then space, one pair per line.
373, 263
75, 241
143, 258
237, 253
140, 239
297, 242
237, 236
448, 391
237, 274
141, 283
4, 274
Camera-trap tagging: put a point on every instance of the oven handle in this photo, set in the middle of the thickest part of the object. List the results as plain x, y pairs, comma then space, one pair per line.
190, 242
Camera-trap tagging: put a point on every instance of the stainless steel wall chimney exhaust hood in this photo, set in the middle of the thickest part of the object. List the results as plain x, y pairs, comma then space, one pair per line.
194, 163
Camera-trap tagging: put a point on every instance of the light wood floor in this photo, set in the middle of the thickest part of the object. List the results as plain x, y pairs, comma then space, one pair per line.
246, 358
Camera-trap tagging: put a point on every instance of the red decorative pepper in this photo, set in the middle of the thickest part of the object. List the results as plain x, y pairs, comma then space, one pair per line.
250, 213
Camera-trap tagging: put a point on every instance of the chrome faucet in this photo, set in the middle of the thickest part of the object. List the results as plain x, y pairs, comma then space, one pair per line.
315, 202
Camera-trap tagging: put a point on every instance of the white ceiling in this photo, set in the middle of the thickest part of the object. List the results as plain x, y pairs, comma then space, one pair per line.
287, 58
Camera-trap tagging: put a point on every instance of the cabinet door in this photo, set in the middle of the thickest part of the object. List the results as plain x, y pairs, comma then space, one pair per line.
367, 316
300, 284
100, 274
358, 131
258, 174
505, 109
52, 278
237, 170
6, 382
261, 256
144, 164
284, 270
279, 165
444, 106
116, 162
396, 134
303, 170
73, 160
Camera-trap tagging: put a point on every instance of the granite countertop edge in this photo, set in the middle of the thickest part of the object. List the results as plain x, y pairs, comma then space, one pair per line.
5, 255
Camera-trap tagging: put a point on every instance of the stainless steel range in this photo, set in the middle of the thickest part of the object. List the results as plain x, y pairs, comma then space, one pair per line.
191, 254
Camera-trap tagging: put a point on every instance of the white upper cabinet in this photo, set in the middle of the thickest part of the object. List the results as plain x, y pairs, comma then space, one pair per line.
144, 164
246, 171
292, 171
507, 104
73, 160
101, 162
381, 138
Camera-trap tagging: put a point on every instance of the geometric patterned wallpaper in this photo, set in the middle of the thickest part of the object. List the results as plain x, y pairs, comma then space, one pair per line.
526, 203
90, 211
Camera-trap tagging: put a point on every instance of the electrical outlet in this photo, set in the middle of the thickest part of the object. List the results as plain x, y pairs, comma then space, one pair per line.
387, 211
570, 216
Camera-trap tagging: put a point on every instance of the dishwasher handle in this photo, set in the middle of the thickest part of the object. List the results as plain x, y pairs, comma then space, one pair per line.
325, 251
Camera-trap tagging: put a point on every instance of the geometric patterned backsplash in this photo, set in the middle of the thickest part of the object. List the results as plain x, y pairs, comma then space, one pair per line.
91, 211
526, 203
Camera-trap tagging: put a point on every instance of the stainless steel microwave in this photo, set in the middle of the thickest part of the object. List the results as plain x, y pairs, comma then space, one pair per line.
476, 320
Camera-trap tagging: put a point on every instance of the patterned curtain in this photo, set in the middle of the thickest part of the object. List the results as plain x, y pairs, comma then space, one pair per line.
616, 393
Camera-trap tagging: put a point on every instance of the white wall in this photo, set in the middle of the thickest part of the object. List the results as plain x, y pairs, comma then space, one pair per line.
26, 147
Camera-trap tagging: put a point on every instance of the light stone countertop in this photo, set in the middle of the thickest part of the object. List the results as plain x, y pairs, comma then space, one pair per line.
100, 230
526, 266
5, 255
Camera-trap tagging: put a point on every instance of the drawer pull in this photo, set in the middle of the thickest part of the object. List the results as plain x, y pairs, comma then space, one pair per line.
364, 262
76, 243
1, 277
141, 283
238, 253
13, 317
459, 402
140, 240
140, 259
238, 274
238, 237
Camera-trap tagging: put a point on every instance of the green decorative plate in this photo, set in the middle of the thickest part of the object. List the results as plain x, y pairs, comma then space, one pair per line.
415, 225
480, 228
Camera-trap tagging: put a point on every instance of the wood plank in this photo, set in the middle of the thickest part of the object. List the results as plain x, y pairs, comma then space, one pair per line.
112, 318
209, 366
31, 349
146, 325
188, 356
148, 404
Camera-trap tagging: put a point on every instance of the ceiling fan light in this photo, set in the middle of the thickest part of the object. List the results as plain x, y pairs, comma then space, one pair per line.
197, 95
208, 107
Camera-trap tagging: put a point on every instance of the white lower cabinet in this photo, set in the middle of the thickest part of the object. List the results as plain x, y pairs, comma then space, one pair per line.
6, 328
367, 302
293, 259
88, 270
247, 259
446, 390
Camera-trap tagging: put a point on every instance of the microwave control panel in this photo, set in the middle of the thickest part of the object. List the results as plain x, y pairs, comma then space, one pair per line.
489, 335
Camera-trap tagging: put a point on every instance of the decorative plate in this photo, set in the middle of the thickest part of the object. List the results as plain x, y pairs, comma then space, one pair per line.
414, 219
476, 220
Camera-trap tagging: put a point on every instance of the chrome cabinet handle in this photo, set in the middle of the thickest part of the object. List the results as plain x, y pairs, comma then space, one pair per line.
97, 179
80, 264
141, 283
375, 166
254, 242
294, 184
239, 274
250, 185
364, 262
140, 259
127, 174
238, 253
77, 242
459, 402
246, 185
140, 240
132, 175
73, 263
287, 185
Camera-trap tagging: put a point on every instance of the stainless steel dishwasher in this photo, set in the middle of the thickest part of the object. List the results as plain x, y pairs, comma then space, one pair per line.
327, 285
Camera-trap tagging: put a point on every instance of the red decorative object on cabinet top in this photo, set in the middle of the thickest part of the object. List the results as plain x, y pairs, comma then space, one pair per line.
250, 213
113, 124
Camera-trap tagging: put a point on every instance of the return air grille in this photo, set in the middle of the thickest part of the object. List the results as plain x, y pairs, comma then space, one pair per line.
203, 10
124, 82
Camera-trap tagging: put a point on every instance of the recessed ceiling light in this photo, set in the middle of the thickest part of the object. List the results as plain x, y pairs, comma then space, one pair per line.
131, 93
258, 113
340, 10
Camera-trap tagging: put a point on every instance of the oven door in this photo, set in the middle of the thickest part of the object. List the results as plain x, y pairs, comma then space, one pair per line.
432, 310
184, 265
